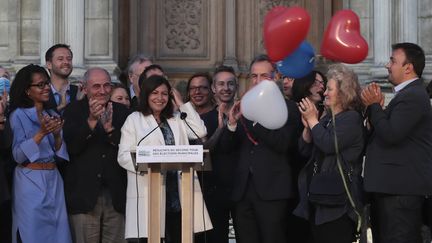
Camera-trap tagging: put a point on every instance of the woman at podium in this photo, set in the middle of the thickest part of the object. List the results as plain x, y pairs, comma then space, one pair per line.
156, 123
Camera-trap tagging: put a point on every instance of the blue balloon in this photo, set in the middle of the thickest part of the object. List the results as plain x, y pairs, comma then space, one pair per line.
299, 63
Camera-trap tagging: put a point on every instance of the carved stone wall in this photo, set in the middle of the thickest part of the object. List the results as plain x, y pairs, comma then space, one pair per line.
425, 27
185, 26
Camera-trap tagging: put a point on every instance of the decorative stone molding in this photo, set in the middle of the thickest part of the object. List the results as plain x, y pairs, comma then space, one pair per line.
184, 28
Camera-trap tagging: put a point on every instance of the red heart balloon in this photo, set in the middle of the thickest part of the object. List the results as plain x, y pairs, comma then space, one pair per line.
342, 39
284, 31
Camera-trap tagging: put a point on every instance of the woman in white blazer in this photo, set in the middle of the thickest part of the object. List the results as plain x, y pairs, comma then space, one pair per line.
156, 109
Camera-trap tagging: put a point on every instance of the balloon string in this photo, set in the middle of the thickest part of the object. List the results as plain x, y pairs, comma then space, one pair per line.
341, 172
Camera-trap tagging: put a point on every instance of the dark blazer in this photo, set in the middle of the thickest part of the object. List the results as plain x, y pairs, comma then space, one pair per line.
5, 162
349, 131
220, 179
52, 104
399, 152
93, 159
269, 161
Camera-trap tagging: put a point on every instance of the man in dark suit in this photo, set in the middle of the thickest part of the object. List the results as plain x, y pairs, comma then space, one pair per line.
398, 167
58, 60
262, 180
95, 184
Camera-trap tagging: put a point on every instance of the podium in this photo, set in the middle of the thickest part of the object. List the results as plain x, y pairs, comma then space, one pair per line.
157, 159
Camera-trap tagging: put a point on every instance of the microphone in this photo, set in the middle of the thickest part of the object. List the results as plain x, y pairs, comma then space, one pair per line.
148, 134
183, 116
142, 139
141, 173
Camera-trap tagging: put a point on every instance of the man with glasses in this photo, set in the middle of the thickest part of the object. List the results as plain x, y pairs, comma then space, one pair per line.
398, 166
58, 60
95, 184
262, 183
136, 66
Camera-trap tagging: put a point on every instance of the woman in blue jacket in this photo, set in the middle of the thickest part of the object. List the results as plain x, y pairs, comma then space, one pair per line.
38, 204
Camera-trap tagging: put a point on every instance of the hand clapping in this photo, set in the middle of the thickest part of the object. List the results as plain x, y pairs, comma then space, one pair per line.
52, 125
309, 112
97, 108
372, 94
234, 114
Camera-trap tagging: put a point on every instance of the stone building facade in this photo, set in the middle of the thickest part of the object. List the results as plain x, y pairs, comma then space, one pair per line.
185, 36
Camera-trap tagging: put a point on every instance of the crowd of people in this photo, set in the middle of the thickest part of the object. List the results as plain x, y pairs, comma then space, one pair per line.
67, 174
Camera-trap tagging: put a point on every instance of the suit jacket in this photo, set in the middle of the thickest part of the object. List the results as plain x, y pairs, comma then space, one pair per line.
399, 152
268, 162
135, 128
52, 104
93, 159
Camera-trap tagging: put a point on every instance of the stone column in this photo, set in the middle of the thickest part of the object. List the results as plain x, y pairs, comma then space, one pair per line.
74, 29
382, 37
47, 28
407, 29
230, 58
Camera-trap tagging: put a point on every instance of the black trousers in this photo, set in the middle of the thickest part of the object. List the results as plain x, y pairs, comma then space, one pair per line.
340, 230
396, 218
260, 221
220, 209
6, 222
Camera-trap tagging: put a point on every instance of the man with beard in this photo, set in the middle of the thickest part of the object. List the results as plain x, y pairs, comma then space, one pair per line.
95, 184
58, 60
398, 165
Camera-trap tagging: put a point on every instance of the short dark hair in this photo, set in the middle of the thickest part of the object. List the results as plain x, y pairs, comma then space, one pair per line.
119, 86
146, 70
224, 68
205, 75
147, 88
262, 58
20, 85
414, 54
49, 53
152, 67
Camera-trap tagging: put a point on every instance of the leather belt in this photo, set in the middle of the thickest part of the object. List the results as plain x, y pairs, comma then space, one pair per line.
39, 165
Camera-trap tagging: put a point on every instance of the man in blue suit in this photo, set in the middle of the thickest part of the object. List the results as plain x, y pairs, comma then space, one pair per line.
398, 167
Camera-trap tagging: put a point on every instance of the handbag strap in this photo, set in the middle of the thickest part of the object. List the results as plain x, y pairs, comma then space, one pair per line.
342, 174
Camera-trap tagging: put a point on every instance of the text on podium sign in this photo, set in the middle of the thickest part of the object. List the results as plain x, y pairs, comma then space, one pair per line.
169, 154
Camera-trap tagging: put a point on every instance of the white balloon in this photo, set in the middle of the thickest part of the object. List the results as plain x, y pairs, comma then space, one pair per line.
266, 105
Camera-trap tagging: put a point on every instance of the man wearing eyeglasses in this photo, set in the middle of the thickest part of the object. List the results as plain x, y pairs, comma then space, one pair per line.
58, 60
95, 184
262, 181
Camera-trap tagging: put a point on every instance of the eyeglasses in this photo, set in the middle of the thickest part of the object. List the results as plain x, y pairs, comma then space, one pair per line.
319, 82
41, 85
199, 88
